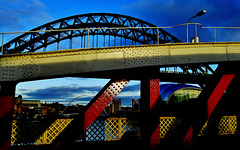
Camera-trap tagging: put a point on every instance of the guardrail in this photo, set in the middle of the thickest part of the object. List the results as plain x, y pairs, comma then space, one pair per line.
107, 129
124, 28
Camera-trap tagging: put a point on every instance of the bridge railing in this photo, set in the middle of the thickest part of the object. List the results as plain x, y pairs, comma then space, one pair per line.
108, 129
88, 31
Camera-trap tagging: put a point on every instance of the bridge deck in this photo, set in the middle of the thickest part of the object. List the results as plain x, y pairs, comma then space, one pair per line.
40, 65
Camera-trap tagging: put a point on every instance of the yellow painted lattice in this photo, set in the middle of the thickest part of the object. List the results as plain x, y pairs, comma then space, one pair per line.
204, 128
53, 131
168, 126
26, 132
227, 125
115, 128
14, 132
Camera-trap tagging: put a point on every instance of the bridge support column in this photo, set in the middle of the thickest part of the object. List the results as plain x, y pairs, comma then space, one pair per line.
207, 110
7, 95
150, 94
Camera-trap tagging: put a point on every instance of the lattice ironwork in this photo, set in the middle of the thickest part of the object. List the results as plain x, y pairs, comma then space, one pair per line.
227, 125
14, 133
168, 126
30, 133
25, 133
32, 41
53, 131
116, 127
95, 132
204, 129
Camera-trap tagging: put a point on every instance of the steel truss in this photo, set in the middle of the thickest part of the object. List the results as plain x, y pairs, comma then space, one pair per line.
96, 24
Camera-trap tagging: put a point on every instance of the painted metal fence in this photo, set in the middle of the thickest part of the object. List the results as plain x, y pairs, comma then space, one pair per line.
105, 129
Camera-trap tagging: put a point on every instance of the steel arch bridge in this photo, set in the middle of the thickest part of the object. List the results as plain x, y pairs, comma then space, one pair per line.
223, 85
96, 24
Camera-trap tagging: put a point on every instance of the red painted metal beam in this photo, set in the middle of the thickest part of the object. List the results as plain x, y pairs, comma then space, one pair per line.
218, 92
154, 103
212, 102
94, 108
150, 94
102, 100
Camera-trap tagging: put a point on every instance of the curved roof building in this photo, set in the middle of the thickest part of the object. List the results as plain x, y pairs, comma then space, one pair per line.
178, 92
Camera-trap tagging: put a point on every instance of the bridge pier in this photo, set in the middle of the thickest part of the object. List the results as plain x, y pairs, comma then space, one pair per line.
150, 98
7, 95
215, 101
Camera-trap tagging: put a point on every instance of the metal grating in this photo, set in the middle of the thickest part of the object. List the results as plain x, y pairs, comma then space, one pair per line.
227, 125
95, 132
53, 131
116, 127
168, 126
36, 133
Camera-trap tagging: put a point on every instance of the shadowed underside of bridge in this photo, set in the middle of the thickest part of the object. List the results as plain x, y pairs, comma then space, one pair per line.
122, 64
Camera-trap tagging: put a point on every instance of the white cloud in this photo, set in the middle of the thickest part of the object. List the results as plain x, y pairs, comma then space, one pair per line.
22, 15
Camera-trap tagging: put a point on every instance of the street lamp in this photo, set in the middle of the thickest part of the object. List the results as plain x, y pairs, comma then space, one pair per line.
200, 13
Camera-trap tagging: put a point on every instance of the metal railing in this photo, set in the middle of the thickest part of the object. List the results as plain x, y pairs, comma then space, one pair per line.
108, 129
120, 28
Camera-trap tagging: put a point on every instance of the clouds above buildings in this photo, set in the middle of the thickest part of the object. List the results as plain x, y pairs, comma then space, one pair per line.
65, 94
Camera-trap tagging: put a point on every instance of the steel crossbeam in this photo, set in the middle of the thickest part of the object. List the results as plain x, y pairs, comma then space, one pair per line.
94, 108
102, 100
7, 93
218, 92
210, 98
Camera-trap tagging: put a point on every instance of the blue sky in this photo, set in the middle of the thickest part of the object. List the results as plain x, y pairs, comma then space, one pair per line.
24, 15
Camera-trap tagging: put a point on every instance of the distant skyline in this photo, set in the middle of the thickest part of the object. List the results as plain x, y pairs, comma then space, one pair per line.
25, 15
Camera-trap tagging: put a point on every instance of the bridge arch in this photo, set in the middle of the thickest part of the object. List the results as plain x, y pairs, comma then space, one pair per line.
33, 41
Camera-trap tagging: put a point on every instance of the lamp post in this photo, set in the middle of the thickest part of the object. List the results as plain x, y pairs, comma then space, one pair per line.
200, 13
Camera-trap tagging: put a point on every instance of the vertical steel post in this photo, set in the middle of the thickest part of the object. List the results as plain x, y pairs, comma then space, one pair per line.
88, 38
145, 113
2, 52
150, 92
187, 32
215, 38
120, 128
7, 95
